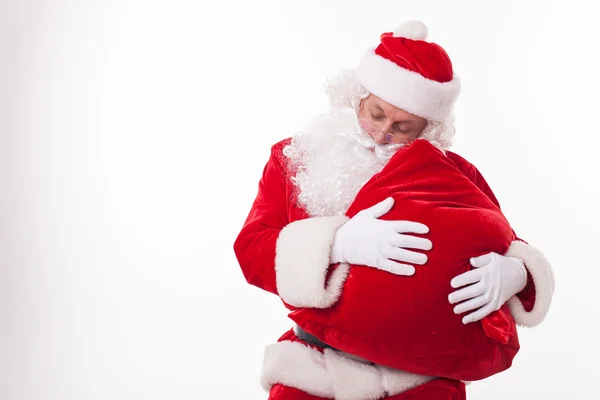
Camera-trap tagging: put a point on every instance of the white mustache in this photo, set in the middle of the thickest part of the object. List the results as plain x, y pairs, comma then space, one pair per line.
384, 151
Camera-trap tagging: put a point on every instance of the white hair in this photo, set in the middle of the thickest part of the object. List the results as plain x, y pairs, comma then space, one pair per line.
344, 91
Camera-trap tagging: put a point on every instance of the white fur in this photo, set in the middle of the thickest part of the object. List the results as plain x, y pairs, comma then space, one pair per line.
406, 89
302, 262
331, 374
415, 30
543, 279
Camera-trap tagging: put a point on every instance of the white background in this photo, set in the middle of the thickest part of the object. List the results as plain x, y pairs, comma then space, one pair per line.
133, 135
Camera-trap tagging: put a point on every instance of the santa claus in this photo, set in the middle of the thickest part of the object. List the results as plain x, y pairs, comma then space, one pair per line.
297, 234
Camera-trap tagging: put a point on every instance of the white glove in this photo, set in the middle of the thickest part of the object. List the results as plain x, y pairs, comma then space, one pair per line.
495, 279
367, 240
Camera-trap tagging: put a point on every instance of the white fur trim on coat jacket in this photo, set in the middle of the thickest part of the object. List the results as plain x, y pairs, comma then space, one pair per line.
331, 374
541, 272
302, 263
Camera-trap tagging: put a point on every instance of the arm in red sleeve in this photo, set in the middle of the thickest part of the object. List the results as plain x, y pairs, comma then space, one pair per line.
530, 306
288, 259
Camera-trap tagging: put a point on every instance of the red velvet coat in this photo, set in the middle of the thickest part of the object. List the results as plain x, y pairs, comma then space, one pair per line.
283, 251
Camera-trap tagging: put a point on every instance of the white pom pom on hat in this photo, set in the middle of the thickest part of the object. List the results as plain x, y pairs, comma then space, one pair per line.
415, 30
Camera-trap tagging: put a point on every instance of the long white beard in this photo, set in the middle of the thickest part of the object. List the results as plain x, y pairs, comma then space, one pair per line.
334, 158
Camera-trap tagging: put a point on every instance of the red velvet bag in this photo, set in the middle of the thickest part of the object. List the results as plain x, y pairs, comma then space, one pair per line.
406, 322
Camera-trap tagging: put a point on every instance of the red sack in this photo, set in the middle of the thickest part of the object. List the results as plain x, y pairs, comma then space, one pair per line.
406, 322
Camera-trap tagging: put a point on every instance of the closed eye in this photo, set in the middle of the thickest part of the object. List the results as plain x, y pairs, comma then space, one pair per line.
397, 128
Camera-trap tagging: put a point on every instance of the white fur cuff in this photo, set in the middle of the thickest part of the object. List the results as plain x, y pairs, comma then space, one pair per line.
543, 279
302, 263
331, 374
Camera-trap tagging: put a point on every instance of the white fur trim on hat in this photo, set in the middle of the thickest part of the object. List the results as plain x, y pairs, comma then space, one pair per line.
331, 374
406, 89
543, 280
302, 263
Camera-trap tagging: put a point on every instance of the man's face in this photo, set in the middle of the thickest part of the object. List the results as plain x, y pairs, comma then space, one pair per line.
381, 119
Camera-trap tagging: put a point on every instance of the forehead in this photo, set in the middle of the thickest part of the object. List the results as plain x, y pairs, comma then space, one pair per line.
391, 111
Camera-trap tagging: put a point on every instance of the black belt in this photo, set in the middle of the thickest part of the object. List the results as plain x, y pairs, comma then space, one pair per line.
311, 339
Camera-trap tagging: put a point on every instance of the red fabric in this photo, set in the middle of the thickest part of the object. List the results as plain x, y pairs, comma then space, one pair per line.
407, 322
272, 210
274, 207
427, 59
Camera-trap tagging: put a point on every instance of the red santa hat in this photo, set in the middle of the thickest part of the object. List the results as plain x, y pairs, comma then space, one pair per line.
410, 73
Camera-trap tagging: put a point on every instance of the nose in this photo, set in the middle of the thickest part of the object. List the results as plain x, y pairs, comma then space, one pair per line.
380, 138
